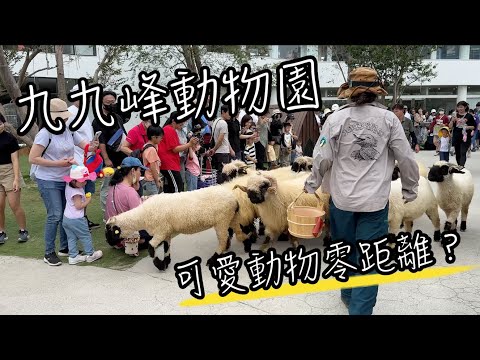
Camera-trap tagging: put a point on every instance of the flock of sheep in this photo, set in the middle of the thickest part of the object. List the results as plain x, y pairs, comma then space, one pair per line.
233, 207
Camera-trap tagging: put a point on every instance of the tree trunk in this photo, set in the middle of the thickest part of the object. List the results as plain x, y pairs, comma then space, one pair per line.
196, 56
188, 55
61, 89
6, 77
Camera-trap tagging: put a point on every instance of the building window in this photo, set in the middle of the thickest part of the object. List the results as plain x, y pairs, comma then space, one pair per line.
331, 92
85, 50
475, 52
473, 90
68, 50
442, 90
289, 51
322, 52
448, 52
258, 50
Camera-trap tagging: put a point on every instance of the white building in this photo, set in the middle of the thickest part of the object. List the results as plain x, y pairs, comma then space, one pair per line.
458, 72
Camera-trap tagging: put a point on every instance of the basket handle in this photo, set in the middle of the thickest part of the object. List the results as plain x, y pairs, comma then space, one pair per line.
294, 201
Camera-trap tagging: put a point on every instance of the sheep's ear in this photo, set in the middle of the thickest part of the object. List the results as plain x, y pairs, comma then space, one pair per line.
272, 190
454, 170
111, 221
310, 167
241, 187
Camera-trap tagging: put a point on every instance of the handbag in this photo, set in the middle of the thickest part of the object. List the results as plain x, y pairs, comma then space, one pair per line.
271, 153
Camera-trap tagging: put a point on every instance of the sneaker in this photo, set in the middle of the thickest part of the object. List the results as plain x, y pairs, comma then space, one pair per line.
3, 237
63, 252
77, 259
92, 225
52, 259
23, 236
95, 256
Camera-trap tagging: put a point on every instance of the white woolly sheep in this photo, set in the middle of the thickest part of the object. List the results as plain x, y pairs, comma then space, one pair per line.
302, 163
455, 192
271, 198
243, 223
425, 203
166, 215
234, 168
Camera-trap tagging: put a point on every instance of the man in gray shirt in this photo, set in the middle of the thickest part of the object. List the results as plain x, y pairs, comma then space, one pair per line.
353, 161
222, 151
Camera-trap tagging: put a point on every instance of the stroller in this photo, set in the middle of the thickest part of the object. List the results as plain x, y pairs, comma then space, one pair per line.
208, 176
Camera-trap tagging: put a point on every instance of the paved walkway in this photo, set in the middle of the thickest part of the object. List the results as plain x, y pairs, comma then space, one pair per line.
31, 287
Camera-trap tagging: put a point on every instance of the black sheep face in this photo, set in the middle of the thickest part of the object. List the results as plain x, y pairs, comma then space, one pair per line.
229, 176
113, 234
295, 166
257, 196
437, 173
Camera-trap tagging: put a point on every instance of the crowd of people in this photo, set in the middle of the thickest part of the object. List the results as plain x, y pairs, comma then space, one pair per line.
146, 160
149, 159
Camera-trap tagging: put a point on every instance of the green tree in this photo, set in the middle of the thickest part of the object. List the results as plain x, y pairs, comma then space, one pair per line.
12, 81
110, 71
193, 57
397, 65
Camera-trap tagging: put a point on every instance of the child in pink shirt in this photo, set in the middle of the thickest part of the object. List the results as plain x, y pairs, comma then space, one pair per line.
192, 168
74, 222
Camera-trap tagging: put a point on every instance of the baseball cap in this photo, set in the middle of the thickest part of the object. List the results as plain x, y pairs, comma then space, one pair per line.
433, 111
335, 107
130, 161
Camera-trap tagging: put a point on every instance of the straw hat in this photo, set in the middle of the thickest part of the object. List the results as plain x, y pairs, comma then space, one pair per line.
59, 109
360, 80
440, 131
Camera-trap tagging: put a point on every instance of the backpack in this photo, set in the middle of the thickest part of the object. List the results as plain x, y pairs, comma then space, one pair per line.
139, 154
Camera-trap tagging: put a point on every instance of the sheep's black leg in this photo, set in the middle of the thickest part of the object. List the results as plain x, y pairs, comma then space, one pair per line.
261, 228
283, 237
448, 226
436, 235
212, 260
327, 240
159, 263
247, 245
463, 226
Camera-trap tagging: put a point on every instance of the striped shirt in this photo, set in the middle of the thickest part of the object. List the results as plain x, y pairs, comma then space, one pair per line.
250, 151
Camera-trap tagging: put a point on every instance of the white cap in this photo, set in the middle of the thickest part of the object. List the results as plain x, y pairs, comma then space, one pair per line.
335, 107
326, 111
433, 111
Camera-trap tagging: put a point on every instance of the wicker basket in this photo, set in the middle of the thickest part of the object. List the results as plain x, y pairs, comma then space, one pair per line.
304, 221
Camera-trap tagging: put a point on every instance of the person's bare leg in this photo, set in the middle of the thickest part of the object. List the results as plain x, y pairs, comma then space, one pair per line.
3, 196
14, 202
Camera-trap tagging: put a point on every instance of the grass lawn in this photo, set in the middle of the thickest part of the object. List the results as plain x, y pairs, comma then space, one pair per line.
36, 215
